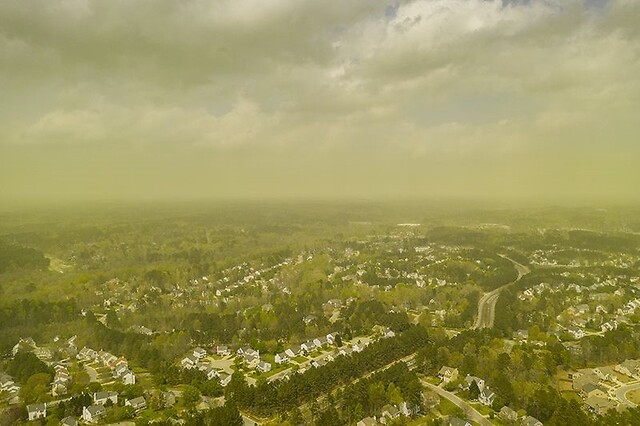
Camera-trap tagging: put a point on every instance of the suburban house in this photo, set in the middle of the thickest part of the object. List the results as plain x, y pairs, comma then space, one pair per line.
508, 415
69, 421
293, 351
320, 341
629, 367
137, 404
606, 373
263, 366
251, 360
368, 421
169, 399
308, 346
247, 350
281, 358
37, 411
87, 354
92, 413
531, 421
189, 361
211, 373
593, 390
101, 398
224, 379
448, 374
199, 353
599, 405
223, 350
470, 379
457, 421
487, 396
389, 412
331, 337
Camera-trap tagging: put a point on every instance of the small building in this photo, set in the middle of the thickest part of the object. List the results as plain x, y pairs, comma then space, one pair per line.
101, 398
281, 358
169, 399
263, 366
92, 413
223, 350
599, 405
448, 374
508, 415
189, 362
368, 421
293, 351
224, 379
69, 421
531, 421
137, 404
199, 353
37, 411
389, 412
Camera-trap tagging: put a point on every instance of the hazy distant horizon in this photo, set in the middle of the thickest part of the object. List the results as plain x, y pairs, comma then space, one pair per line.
248, 100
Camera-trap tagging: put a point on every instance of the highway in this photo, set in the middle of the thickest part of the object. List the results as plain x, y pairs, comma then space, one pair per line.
487, 303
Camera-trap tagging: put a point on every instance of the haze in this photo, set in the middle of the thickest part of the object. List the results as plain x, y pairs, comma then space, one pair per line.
245, 98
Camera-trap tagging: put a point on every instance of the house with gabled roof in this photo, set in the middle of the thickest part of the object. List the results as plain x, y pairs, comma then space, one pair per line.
263, 366
293, 351
447, 374
92, 413
101, 398
36, 411
137, 404
281, 358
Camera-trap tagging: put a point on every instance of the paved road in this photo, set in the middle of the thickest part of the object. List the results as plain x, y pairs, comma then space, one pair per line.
623, 390
487, 303
470, 412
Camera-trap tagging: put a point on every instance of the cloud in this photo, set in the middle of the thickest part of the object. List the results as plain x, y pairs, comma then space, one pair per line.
451, 83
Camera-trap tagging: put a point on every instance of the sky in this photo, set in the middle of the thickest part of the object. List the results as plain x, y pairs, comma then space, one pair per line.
190, 99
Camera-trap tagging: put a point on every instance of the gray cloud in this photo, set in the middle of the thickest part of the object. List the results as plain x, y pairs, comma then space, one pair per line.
290, 98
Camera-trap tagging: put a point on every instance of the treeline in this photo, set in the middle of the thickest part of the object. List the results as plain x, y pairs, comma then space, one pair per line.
14, 257
135, 347
395, 385
269, 398
25, 318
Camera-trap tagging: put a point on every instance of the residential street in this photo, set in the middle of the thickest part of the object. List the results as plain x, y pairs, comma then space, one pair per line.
470, 412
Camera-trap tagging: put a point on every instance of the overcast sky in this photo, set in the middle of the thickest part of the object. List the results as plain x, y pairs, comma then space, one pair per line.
301, 98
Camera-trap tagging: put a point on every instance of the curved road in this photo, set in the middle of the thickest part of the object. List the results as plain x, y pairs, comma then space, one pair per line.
487, 303
622, 391
470, 412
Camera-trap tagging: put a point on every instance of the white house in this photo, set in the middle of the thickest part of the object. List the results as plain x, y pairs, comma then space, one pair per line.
224, 379
199, 353
92, 413
189, 362
263, 366
281, 358
101, 398
137, 404
223, 350
37, 411
293, 351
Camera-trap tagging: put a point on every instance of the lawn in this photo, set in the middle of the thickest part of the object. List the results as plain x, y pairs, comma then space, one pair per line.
634, 396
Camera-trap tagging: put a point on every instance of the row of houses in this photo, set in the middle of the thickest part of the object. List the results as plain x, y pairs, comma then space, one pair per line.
119, 365
196, 360
61, 380
9, 387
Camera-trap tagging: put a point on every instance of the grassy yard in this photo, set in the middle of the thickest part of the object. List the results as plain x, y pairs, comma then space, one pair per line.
634, 396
